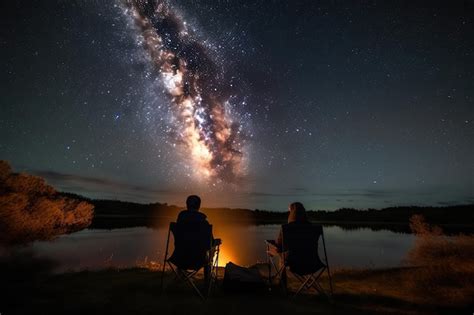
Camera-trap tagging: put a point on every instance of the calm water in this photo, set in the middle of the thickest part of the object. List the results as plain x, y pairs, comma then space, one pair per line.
244, 245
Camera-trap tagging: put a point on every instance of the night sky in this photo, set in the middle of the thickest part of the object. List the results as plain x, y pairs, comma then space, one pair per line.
331, 103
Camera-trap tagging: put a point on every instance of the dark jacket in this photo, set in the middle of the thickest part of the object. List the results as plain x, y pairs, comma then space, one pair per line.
279, 241
191, 244
192, 216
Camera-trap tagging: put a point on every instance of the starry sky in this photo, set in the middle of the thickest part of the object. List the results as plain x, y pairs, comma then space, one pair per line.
337, 103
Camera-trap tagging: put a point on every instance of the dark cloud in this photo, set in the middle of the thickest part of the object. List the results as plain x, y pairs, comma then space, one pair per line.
449, 203
265, 194
344, 193
107, 188
299, 189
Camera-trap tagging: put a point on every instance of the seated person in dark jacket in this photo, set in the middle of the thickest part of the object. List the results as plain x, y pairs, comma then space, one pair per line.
191, 215
297, 216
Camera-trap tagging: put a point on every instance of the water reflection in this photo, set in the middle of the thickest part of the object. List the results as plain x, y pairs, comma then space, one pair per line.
244, 245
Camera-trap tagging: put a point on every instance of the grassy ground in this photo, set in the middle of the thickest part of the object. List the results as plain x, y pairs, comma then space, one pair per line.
137, 291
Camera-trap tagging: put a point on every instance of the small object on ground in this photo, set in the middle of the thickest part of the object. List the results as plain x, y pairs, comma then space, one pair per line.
242, 279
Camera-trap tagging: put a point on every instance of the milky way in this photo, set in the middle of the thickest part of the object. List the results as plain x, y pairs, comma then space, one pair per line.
197, 92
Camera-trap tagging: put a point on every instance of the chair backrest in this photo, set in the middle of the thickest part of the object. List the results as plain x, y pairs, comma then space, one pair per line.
300, 245
192, 240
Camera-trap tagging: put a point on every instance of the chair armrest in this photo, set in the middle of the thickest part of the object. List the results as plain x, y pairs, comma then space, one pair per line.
273, 249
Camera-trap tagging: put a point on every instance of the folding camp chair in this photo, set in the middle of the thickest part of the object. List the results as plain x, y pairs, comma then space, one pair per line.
193, 250
299, 254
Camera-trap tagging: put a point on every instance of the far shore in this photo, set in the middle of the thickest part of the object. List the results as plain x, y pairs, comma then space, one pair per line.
116, 221
111, 214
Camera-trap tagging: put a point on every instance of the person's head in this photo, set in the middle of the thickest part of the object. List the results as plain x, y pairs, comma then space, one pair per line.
193, 203
297, 213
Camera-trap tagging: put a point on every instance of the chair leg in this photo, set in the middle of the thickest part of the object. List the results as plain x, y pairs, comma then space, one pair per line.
209, 288
189, 280
327, 262
217, 263
315, 284
310, 281
269, 267
210, 280
162, 276
187, 277
165, 259
330, 281
303, 285
197, 290
284, 281
277, 271
213, 274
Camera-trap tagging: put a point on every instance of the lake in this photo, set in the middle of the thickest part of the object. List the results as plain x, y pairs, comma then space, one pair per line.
243, 245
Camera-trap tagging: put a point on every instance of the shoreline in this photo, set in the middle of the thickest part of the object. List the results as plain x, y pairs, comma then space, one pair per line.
117, 221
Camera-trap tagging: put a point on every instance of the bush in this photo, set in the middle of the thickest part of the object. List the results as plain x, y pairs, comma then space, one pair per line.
31, 210
446, 265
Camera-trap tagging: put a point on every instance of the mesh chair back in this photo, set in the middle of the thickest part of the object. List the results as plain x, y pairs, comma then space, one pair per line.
192, 240
300, 244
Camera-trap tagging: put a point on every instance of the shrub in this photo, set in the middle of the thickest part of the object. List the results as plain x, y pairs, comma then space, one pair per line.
31, 210
446, 265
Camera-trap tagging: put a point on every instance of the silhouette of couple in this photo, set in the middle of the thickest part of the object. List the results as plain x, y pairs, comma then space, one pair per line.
296, 218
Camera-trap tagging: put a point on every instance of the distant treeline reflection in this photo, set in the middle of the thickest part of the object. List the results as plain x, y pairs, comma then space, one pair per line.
110, 214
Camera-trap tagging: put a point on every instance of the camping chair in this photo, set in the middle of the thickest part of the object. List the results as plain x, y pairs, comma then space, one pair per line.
300, 255
193, 250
